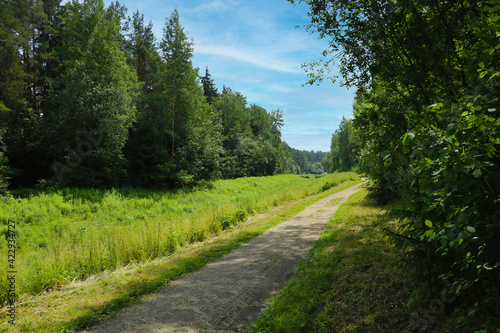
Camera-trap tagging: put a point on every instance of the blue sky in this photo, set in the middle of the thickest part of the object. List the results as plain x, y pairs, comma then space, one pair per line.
254, 48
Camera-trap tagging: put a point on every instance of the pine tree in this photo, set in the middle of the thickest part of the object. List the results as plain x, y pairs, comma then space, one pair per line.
177, 53
142, 51
20, 22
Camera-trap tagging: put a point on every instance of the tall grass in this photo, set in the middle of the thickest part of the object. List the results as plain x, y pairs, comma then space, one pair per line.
71, 234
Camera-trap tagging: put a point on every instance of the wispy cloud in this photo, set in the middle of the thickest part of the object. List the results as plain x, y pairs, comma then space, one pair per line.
281, 88
252, 56
219, 7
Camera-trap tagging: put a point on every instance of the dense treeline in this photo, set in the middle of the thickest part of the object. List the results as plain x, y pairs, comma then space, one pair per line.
304, 161
344, 148
426, 128
89, 97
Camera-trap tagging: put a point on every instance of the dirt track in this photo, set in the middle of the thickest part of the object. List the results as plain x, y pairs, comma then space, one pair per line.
230, 293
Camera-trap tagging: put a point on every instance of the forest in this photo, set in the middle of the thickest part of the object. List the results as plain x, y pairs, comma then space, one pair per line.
90, 98
426, 129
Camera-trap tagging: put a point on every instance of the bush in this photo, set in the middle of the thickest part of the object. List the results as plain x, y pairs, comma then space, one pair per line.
452, 201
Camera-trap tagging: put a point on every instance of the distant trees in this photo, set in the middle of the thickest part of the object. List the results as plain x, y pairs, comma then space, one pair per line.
342, 152
303, 161
89, 97
251, 137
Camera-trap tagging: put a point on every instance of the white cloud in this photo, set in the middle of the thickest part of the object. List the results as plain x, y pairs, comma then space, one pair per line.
281, 88
256, 57
217, 5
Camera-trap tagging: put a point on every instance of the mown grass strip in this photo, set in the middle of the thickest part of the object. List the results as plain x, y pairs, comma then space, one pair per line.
79, 305
347, 282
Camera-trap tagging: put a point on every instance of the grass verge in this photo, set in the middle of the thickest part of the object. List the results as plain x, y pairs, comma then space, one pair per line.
347, 282
78, 305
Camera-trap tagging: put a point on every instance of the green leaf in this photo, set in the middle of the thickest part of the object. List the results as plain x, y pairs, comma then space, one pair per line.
428, 223
450, 127
477, 173
471, 229
492, 76
405, 139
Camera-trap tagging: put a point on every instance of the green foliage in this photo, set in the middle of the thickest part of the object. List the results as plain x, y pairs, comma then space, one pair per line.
302, 161
379, 117
317, 168
251, 137
176, 139
19, 27
141, 51
426, 116
11, 68
3, 166
88, 98
209, 88
95, 92
194, 133
342, 152
451, 219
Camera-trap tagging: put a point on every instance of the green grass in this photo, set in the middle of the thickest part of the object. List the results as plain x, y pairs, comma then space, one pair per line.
347, 283
90, 253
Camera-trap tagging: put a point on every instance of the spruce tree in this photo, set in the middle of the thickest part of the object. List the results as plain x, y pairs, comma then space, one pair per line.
209, 88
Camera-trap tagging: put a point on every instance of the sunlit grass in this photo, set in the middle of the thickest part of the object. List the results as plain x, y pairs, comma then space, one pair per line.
71, 234
347, 283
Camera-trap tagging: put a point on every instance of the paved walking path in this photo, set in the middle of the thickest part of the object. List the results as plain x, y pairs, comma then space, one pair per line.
230, 293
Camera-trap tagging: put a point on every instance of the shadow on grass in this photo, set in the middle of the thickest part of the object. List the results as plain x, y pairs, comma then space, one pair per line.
347, 283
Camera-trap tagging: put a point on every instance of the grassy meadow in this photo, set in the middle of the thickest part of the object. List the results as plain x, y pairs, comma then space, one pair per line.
67, 235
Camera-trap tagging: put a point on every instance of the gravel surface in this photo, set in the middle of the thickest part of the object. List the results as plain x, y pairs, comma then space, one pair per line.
230, 293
